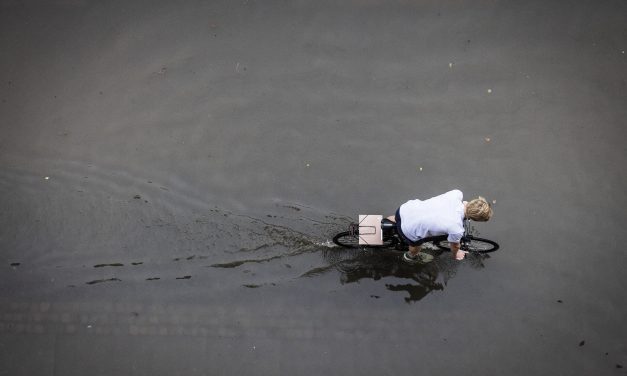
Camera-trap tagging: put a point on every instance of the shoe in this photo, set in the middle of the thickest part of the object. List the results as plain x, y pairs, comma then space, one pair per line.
420, 258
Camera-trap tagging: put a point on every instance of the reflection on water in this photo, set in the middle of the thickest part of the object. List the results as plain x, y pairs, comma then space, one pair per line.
375, 264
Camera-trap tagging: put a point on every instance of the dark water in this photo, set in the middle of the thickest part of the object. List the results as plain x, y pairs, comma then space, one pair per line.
161, 234
171, 177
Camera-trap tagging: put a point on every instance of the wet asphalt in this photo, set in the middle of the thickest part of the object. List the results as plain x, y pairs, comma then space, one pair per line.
171, 175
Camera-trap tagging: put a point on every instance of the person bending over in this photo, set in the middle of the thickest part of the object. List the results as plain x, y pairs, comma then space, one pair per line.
439, 215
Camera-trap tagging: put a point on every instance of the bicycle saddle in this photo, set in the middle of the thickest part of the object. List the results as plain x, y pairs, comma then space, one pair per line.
386, 224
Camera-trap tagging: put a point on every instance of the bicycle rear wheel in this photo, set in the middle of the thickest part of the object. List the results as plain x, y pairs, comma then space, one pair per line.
348, 239
474, 245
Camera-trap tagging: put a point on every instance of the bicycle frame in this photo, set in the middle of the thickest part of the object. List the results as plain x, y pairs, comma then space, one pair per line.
392, 239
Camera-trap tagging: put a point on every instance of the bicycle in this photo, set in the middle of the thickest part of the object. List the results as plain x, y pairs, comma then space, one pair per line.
391, 239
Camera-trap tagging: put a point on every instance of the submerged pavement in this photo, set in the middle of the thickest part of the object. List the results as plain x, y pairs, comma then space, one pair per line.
171, 176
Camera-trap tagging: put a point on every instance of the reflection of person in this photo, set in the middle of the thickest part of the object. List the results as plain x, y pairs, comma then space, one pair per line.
440, 215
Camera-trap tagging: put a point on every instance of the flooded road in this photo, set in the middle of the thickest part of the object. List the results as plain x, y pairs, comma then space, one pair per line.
171, 177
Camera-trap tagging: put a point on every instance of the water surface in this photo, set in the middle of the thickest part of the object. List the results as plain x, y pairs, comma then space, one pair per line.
171, 177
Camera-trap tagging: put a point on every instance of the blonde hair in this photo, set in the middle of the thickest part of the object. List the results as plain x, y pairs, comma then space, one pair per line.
479, 210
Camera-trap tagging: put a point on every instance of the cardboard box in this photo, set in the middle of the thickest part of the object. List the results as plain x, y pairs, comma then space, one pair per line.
370, 229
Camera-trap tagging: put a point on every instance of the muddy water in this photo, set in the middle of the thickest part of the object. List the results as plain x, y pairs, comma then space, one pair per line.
171, 178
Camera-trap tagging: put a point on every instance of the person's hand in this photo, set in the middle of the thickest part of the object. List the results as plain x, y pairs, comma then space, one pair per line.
460, 255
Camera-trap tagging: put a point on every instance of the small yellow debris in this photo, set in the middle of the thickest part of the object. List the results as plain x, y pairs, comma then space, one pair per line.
489, 91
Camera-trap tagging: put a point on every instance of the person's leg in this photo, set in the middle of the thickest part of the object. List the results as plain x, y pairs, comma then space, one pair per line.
414, 250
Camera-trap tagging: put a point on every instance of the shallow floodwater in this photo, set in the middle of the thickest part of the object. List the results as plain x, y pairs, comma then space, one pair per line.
171, 177
161, 235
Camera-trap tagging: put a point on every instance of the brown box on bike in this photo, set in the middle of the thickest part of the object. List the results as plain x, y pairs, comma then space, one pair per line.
370, 229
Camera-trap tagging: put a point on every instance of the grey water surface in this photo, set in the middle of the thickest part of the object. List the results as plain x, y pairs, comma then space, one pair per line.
172, 174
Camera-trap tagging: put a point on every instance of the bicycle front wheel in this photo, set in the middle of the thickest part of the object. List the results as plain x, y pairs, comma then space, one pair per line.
474, 245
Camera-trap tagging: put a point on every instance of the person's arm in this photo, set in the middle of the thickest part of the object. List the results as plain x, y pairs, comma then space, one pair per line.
453, 240
457, 253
